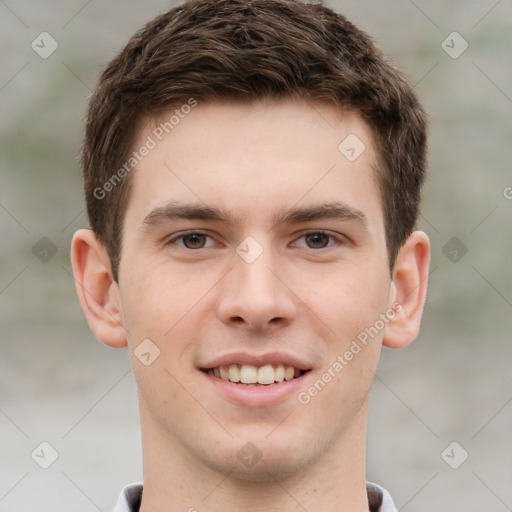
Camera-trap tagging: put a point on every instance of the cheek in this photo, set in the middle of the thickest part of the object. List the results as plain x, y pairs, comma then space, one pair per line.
154, 299
348, 300
166, 308
158, 306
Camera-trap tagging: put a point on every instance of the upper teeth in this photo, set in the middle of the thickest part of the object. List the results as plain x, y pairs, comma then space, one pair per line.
249, 374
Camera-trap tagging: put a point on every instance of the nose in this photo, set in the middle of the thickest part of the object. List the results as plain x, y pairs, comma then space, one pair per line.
256, 295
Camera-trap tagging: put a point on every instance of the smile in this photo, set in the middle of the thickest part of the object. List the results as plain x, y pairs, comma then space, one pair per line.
255, 375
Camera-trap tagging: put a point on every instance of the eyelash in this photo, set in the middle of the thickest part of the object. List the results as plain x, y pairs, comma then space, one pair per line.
182, 235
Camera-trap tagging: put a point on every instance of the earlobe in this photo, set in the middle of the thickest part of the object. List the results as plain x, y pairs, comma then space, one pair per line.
408, 290
96, 289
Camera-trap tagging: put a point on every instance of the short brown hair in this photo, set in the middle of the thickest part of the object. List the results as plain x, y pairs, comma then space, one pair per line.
247, 50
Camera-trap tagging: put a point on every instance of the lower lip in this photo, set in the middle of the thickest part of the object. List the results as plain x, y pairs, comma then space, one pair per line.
258, 396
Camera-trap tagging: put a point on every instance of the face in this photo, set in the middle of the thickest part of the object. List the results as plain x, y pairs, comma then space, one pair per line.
254, 249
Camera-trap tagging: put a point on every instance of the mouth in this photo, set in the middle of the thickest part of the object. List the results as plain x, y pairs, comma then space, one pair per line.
256, 376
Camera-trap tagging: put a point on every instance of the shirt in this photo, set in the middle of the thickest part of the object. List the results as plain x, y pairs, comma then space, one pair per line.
378, 498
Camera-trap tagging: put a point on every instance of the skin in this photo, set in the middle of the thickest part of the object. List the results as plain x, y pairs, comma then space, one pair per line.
298, 297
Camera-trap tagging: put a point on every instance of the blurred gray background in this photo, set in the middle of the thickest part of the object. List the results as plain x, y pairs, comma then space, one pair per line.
453, 385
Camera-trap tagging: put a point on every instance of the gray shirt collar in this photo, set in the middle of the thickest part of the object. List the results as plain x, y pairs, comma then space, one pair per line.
378, 498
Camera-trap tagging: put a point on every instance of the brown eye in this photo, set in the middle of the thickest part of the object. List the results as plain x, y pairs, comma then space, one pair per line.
194, 241
317, 240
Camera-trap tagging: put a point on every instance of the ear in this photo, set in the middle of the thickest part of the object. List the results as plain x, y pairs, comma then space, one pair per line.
408, 290
97, 291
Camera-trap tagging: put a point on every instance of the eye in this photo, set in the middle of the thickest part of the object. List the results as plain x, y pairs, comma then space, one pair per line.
191, 240
317, 240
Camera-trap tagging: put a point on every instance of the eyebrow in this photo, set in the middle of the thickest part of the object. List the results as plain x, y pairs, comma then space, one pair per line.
296, 215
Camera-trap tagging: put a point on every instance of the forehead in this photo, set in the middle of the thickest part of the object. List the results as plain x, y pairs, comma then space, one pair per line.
255, 159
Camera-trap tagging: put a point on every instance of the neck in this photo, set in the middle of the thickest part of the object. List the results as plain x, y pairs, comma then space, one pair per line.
175, 480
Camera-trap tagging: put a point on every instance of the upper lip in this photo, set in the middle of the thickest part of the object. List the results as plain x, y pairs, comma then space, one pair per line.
273, 358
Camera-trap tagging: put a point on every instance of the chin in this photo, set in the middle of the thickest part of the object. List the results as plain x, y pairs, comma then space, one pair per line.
261, 473
271, 463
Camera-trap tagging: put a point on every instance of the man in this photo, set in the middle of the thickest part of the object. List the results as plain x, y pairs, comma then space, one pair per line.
252, 174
